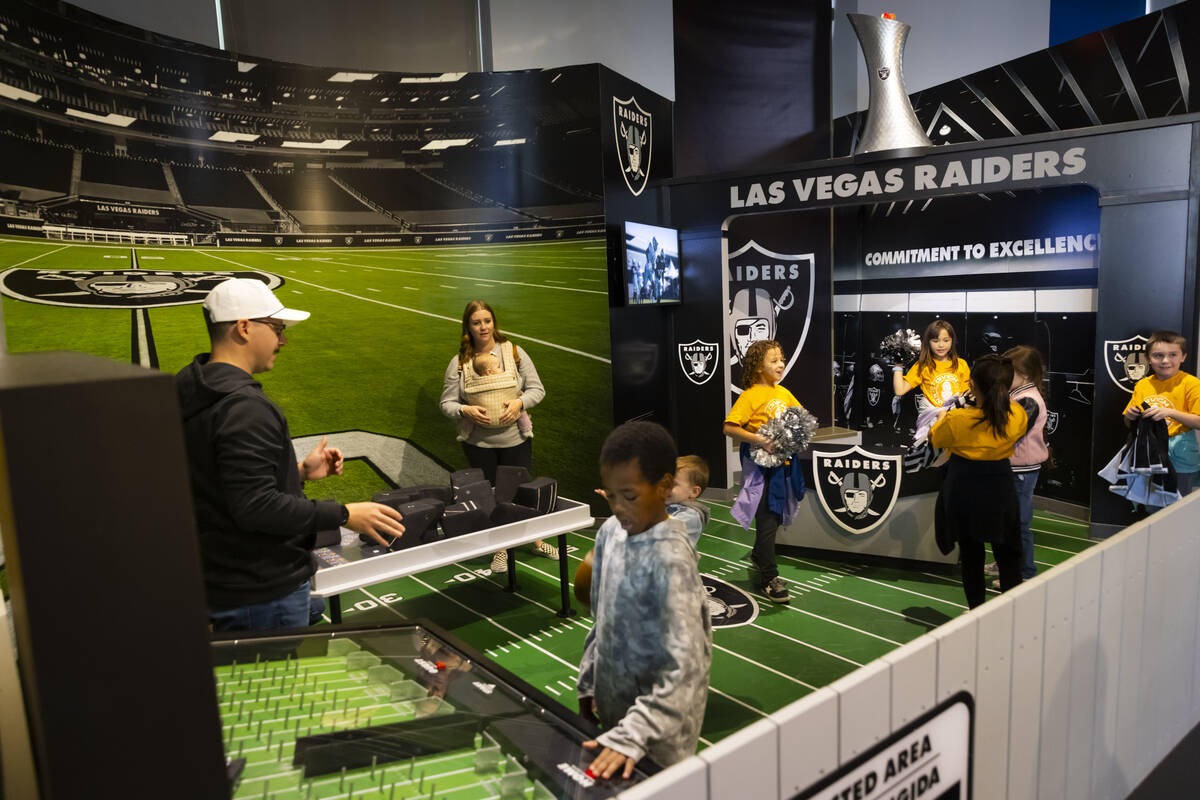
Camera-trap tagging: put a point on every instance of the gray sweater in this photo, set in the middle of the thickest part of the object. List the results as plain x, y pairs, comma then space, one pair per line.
454, 397
646, 659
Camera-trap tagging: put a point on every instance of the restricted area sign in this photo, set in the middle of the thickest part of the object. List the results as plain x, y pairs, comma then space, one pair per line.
928, 759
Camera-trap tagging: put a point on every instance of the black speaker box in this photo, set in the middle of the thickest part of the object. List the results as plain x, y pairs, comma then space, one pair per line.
466, 517
397, 497
480, 493
463, 477
420, 518
539, 493
504, 513
434, 492
508, 478
329, 538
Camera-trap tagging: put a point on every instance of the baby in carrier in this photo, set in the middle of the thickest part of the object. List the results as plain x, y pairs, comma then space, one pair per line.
487, 385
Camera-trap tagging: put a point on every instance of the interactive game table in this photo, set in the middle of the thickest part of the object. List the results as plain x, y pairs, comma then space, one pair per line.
353, 565
392, 712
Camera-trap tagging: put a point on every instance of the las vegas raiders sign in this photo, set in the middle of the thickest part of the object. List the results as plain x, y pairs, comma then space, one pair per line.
1127, 361
857, 488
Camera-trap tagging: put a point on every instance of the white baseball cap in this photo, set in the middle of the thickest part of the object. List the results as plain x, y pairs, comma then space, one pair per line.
246, 298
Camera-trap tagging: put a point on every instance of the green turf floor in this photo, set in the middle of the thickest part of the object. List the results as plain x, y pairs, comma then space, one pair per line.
841, 616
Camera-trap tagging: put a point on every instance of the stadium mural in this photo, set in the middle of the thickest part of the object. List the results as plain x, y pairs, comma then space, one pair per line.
380, 202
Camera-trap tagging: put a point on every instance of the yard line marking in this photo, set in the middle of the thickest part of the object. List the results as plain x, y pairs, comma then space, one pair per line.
39, 255
550, 688
595, 247
1056, 549
443, 275
568, 686
369, 289
1056, 533
507, 331
551, 281
715, 690
444, 286
806, 644
486, 285
415, 289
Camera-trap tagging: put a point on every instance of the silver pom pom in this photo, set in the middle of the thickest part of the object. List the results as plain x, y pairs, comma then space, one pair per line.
789, 432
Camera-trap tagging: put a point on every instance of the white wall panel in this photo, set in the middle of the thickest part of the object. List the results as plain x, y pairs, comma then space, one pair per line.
993, 681
914, 679
1129, 710
1025, 702
1056, 681
808, 741
746, 763
1153, 712
957, 651
1108, 669
1182, 590
687, 780
1085, 630
864, 697
884, 302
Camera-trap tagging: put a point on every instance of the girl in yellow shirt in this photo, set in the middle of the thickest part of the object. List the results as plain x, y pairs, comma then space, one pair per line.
769, 495
939, 371
978, 502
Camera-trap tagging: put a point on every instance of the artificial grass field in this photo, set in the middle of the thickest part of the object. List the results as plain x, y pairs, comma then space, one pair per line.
384, 325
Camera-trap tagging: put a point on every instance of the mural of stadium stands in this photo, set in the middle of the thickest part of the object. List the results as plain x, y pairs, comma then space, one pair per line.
105, 126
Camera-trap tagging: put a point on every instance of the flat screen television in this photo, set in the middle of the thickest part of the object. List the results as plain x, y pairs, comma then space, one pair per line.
651, 264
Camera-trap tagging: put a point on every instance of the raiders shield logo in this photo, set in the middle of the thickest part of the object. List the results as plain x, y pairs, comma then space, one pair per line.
1051, 422
698, 360
117, 288
417, 239
1127, 361
770, 297
634, 129
873, 395
728, 606
884, 73
858, 488
278, 240
487, 237
348, 240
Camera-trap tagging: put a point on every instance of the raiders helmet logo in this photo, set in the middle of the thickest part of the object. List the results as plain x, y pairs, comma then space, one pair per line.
857, 487
728, 606
698, 360
633, 127
1051, 422
770, 297
1127, 361
117, 288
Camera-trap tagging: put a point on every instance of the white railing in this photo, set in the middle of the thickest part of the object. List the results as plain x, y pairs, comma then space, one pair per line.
73, 234
1084, 678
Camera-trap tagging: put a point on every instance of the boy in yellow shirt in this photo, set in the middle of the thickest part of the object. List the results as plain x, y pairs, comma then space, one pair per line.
1172, 395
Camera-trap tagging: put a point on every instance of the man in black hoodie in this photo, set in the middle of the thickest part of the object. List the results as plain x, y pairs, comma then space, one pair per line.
256, 527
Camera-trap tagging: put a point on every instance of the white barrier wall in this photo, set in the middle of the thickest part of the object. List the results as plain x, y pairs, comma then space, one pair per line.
1084, 678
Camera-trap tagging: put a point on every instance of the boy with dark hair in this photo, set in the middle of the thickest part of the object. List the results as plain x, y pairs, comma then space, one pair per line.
644, 672
1173, 395
691, 479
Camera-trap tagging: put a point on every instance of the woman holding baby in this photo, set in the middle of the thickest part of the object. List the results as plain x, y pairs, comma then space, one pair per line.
489, 387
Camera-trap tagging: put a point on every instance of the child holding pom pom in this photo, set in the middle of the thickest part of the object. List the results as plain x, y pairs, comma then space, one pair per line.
939, 371
769, 495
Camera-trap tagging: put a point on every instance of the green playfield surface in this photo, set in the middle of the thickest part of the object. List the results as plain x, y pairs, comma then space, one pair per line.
384, 325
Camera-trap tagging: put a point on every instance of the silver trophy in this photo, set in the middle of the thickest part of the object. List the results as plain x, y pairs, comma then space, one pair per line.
891, 122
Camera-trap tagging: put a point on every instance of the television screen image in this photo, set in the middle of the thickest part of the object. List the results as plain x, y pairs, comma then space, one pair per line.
651, 264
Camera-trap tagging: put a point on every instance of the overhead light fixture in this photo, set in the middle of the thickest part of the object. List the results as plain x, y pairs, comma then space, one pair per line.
13, 93
443, 98
503, 142
445, 77
442, 144
246, 66
108, 119
351, 77
327, 144
312, 97
287, 94
232, 136
384, 100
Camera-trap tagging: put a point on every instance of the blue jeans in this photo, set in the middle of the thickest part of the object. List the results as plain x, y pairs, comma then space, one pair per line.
1025, 483
286, 612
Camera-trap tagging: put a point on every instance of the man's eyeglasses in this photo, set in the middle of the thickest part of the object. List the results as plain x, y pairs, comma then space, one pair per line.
274, 325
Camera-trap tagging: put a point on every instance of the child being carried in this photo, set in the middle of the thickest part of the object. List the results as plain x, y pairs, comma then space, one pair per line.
487, 384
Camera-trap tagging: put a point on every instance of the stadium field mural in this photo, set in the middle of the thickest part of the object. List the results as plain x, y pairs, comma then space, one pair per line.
371, 357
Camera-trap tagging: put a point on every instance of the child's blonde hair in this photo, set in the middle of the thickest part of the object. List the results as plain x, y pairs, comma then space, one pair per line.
926, 359
485, 361
695, 469
756, 354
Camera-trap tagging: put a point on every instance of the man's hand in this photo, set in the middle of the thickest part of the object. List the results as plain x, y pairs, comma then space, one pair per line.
478, 413
587, 708
375, 519
321, 462
608, 762
512, 410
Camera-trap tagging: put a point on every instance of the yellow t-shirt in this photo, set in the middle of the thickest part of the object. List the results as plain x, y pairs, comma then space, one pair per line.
958, 432
944, 381
758, 404
1181, 392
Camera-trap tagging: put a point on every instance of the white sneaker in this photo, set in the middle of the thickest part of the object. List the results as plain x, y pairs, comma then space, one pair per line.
547, 550
500, 561
991, 569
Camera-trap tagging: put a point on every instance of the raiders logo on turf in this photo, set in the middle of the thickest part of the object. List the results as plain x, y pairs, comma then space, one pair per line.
771, 297
1127, 361
857, 487
1051, 422
634, 128
728, 606
698, 360
117, 288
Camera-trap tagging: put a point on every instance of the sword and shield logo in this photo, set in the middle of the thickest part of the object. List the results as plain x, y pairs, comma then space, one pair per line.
698, 360
117, 288
857, 487
1127, 361
770, 297
633, 127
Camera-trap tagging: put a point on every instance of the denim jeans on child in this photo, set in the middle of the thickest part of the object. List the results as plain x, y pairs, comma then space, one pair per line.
1025, 483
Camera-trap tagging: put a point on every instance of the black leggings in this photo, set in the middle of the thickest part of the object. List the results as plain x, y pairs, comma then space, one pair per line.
488, 458
1008, 559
